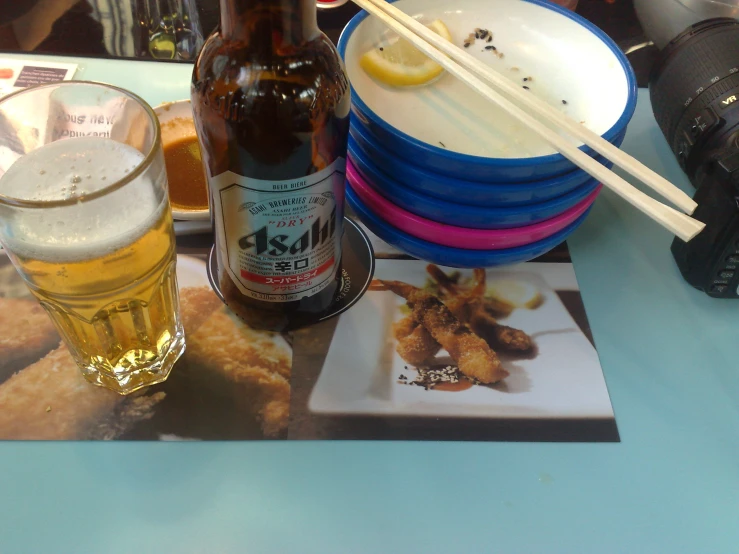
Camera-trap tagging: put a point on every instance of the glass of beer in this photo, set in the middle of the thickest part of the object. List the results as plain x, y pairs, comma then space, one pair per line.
85, 218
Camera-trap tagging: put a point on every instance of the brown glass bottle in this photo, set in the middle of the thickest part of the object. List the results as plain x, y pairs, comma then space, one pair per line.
271, 106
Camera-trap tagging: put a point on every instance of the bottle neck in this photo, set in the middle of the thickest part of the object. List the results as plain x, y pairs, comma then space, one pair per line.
269, 23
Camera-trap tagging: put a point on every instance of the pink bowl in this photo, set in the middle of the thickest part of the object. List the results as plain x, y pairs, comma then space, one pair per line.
461, 237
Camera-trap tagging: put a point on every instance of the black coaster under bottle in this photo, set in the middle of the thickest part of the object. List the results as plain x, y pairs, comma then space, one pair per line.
357, 269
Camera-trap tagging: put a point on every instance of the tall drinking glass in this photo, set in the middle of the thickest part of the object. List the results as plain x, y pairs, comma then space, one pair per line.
85, 218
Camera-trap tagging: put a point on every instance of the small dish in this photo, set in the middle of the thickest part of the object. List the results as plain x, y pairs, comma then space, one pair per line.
472, 193
449, 129
463, 215
175, 120
461, 237
455, 257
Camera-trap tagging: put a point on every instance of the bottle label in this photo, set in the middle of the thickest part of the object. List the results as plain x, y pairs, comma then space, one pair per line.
282, 239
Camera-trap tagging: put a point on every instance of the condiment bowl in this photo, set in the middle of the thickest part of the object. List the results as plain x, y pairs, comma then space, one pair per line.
175, 120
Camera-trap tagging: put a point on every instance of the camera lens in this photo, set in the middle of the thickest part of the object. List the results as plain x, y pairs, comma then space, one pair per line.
694, 88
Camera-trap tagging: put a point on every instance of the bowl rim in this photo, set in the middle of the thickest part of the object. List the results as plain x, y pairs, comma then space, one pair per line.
430, 149
492, 257
554, 181
556, 203
453, 236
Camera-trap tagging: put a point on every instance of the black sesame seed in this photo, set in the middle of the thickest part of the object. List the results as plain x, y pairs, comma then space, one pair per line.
527, 88
477, 35
490, 38
381, 48
564, 102
490, 48
525, 79
466, 44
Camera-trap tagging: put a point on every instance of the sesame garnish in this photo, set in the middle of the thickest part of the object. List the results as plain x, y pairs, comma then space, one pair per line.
525, 79
429, 377
490, 38
490, 48
381, 49
564, 102
444, 145
514, 69
527, 88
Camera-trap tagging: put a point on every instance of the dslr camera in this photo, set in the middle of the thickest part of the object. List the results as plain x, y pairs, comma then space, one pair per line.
694, 88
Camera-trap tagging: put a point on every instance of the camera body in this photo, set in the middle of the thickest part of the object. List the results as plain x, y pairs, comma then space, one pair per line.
710, 262
694, 88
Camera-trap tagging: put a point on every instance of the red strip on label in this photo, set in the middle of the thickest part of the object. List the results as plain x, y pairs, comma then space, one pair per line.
287, 279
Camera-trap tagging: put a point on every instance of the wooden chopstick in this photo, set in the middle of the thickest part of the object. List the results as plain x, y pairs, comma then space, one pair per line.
620, 158
677, 223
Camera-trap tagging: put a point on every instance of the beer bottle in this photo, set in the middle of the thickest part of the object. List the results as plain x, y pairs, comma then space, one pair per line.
271, 106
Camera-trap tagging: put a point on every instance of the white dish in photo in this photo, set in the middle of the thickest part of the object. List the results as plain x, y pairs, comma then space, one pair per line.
563, 380
191, 272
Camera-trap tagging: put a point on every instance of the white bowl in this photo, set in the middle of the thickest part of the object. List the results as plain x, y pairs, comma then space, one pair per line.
448, 127
169, 113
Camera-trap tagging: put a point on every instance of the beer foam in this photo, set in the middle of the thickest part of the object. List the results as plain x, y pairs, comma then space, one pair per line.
71, 168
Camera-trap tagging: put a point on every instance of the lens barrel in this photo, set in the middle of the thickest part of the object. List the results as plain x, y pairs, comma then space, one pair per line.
694, 88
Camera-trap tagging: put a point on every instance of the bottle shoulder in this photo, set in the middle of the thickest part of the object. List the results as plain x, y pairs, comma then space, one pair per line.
239, 62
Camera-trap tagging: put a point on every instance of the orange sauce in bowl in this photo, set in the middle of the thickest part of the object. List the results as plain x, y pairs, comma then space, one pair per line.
187, 187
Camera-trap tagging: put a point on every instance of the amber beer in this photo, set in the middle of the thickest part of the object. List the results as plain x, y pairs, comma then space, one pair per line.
87, 223
271, 106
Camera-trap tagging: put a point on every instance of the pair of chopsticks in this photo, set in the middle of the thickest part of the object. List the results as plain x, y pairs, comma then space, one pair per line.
470, 71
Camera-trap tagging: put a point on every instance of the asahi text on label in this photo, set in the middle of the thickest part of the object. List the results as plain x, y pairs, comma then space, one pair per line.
280, 237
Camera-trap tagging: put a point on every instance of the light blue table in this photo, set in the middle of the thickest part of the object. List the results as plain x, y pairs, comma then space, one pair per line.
671, 361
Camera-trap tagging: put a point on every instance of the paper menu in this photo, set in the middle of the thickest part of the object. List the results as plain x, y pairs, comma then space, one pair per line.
19, 74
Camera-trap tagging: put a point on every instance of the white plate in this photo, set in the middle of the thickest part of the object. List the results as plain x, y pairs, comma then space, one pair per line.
191, 272
566, 60
167, 112
564, 380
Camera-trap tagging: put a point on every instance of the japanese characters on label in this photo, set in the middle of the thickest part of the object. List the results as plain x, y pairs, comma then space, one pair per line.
281, 238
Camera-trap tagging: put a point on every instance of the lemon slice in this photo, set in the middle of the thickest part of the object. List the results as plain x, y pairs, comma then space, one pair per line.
401, 64
517, 293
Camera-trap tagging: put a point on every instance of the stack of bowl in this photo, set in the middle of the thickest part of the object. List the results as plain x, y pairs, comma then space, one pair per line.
443, 174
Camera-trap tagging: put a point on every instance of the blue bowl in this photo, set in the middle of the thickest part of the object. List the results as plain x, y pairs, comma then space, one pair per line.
455, 257
459, 191
552, 24
463, 215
